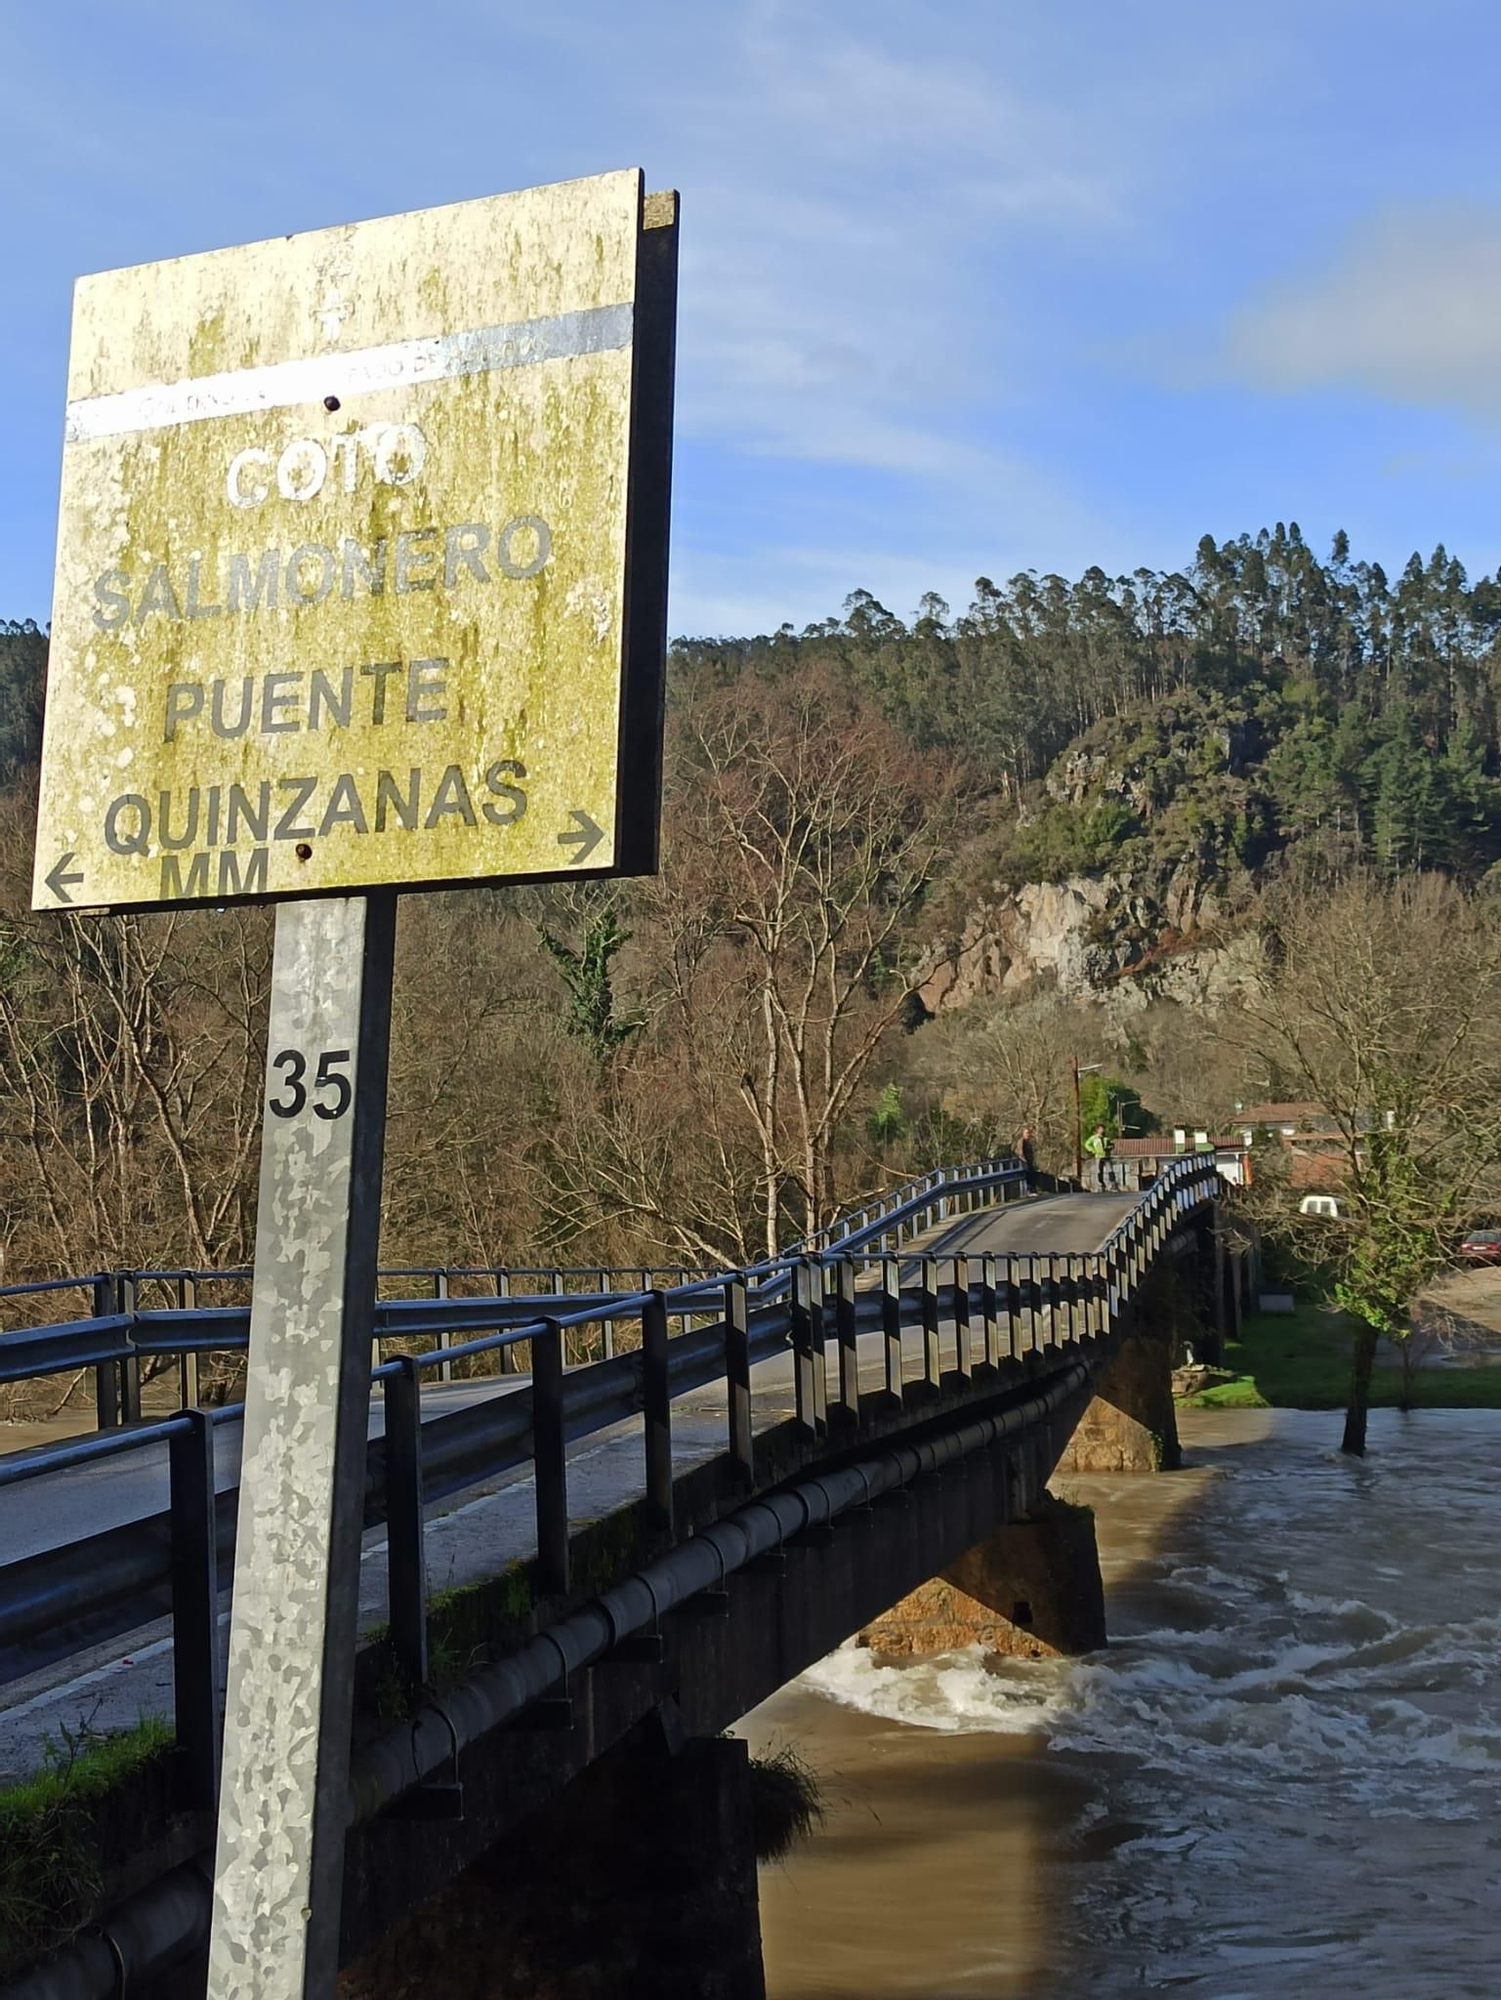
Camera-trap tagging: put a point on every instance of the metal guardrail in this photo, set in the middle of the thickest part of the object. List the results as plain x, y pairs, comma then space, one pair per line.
59, 1600
122, 1330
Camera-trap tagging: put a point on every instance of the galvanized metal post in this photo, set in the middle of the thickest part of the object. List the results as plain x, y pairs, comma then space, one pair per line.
284, 1798
195, 1611
406, 1558
656, 1399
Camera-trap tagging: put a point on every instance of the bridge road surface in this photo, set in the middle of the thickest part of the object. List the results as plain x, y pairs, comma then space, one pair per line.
470, 1535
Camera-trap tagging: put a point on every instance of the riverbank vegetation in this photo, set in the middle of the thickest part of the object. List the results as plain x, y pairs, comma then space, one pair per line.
95, 1795
1302, 1360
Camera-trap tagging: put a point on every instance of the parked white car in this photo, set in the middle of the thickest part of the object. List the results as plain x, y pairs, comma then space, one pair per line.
1326, 1205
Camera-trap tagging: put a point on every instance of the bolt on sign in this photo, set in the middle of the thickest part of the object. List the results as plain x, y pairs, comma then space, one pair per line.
362, 558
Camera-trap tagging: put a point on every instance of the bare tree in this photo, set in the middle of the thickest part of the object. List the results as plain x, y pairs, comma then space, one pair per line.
1001, 1069
131, 1057
1378, 1004
805, 839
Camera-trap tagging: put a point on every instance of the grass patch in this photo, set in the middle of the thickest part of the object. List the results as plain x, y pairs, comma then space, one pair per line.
57, 1827
1301, 1361
785, 1803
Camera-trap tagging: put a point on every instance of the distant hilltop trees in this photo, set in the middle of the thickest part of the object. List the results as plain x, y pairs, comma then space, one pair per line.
1258, 696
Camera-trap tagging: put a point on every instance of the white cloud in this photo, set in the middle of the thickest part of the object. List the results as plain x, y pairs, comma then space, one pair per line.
850, 210
1410, 310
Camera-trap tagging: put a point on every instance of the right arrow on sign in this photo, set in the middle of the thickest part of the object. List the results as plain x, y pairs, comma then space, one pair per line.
583, 836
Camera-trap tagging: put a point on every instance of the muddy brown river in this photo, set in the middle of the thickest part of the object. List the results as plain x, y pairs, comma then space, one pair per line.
1280, 1778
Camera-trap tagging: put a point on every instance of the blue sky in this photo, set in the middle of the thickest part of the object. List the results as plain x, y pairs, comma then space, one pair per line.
966, 290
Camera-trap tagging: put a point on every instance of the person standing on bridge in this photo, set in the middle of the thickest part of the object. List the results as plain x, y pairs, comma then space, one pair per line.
1098, 1146
1026, 1148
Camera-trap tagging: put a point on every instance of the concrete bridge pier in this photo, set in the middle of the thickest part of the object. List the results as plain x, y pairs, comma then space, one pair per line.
1130, 1424
637, 1883
1031, 1589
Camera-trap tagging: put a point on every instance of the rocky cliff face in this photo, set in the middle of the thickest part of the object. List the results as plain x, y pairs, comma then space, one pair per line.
1107, 937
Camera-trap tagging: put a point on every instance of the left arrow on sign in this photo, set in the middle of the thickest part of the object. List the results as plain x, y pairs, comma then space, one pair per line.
57, 881
583, 836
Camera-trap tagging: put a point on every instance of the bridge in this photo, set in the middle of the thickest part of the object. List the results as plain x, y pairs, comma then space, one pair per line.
604, 1519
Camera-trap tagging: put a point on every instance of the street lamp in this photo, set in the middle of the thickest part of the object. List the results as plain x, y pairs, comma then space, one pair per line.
1080, 1069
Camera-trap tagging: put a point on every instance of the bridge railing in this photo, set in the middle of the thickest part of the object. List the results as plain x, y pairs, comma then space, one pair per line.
1026, 1310
124, 1327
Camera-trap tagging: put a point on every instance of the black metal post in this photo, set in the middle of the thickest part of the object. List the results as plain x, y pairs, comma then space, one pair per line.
406, 1556
445, 1334
503, 1291
550, 1460
107, 1373
962, 1352
607, 1324
195, 1611
844, 1327
737, 1379
656, 1396
800, 1330
807, 1344
818, 1295
130, 1366
891, 1322
931, 1367
187, 1360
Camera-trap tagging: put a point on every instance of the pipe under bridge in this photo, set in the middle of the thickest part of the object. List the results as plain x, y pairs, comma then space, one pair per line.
560, 1557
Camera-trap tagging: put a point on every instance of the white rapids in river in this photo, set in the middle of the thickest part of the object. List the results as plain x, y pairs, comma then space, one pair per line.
1280, 1778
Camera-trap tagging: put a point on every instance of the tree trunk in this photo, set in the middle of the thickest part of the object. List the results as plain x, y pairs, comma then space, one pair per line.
1353, 1440
1407, 1397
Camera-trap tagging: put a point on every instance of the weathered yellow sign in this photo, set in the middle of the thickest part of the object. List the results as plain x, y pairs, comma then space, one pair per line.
343, 543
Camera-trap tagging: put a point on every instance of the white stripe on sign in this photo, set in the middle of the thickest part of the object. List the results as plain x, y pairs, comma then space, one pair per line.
438, 357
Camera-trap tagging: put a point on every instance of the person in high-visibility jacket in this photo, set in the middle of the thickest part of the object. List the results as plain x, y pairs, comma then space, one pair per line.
1098, 1147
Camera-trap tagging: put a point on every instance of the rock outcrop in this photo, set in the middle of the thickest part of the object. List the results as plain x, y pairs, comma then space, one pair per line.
1092, 937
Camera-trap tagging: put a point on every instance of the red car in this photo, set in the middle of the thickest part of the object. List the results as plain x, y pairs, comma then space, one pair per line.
1482, 1246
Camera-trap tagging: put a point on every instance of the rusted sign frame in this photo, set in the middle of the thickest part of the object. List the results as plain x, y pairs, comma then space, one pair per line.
647, 532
